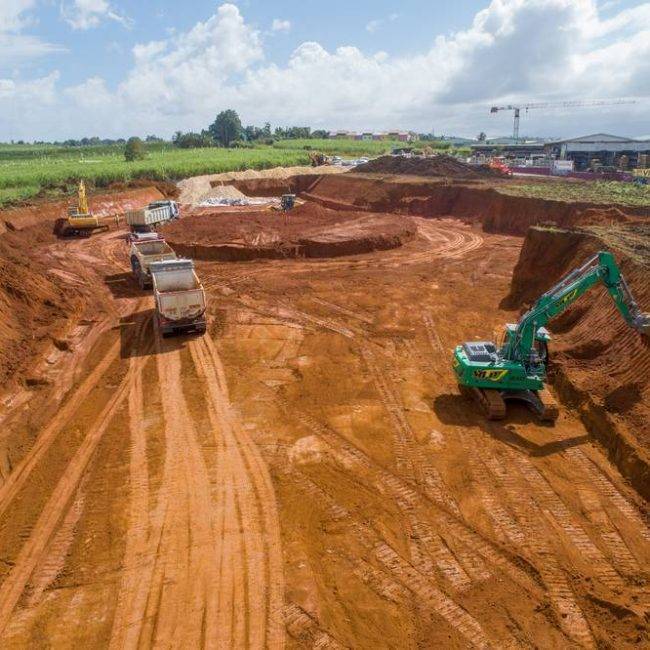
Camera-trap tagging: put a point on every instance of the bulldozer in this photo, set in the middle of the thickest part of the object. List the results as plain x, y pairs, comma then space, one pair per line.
318, 159
516, 369
80, 222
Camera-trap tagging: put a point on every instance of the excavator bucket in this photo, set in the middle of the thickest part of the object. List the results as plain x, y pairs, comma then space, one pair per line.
642, 323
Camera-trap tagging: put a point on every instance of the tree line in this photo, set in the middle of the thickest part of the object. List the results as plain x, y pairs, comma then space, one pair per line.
227, 131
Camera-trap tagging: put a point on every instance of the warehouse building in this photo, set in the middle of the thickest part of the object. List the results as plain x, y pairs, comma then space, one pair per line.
608, 150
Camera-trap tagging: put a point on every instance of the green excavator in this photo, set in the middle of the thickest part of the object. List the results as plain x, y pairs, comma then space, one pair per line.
516, 369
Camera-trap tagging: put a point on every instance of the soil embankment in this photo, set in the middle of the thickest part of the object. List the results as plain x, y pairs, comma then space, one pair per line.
599, 364
42, 297
104, 204
473, 202
309, 230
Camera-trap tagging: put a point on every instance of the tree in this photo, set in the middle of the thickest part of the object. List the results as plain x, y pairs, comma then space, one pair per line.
134, 150
226, 128
481, 137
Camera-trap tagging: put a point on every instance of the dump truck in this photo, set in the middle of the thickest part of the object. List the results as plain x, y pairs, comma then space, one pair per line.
516, 369
145, 251
80, 222
179, 297
149, 218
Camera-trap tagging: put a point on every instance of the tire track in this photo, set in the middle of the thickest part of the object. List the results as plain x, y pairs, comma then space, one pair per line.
548, 500
35, 547
181, 603
131, 601
44, 440
403, 572
409, 500
255, 496
304, 628
533, 524
608, 490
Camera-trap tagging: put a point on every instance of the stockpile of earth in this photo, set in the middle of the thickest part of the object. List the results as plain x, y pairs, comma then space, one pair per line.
441, 165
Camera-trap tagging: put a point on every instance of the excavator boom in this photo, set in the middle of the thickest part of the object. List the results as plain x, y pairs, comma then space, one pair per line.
517, 369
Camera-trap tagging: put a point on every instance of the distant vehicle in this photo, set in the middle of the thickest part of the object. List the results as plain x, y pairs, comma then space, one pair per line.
145, 251
287, 201
155, 214
179, 297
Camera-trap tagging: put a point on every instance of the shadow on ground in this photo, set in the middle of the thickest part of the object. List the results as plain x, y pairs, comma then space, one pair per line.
456, 410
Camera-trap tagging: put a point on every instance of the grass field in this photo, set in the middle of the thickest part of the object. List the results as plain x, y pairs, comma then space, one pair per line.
26, 170
605, 192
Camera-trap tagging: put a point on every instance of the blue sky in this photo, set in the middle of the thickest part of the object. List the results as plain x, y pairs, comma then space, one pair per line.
70, 68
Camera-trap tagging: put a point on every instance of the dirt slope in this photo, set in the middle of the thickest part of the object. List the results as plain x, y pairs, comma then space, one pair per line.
600, 364
471, 201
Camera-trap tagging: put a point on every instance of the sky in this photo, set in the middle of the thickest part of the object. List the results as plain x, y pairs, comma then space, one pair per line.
116, 68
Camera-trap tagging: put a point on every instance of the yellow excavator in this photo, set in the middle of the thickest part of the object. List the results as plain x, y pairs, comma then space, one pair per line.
80, 222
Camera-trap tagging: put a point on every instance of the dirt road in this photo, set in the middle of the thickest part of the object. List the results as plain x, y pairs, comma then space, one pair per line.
306, 475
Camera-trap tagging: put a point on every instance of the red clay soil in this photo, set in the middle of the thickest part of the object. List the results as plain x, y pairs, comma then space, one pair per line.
309, 230
274, 186
441, 165
473, 202
168, 189
599, 364
33, 303
39, 294
103, 204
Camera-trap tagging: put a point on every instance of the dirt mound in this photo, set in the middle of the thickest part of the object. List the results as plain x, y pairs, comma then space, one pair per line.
309, 230
34, 303
598, 362
441, 165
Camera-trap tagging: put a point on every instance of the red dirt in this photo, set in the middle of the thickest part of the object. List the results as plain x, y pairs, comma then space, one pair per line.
34, 305
273, 186
103, 204
305, 474
40, 295
472, 202
309, 230
441, 165
600, 364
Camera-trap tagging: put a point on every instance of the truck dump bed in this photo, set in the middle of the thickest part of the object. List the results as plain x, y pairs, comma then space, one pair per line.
154, 213
179, 295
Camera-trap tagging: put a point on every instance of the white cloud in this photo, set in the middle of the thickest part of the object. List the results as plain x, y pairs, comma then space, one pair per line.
86, 14
279, 25
514, 50
15, 46
375, 24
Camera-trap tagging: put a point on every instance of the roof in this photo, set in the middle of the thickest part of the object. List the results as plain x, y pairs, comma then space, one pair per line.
597, 138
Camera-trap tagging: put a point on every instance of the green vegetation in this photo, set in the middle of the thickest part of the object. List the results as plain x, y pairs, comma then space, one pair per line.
134, 150
26, 170
605, 192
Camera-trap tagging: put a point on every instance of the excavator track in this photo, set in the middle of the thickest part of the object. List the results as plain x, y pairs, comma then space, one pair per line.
490, 401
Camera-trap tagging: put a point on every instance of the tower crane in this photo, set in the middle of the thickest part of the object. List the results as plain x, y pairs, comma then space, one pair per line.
571, 104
